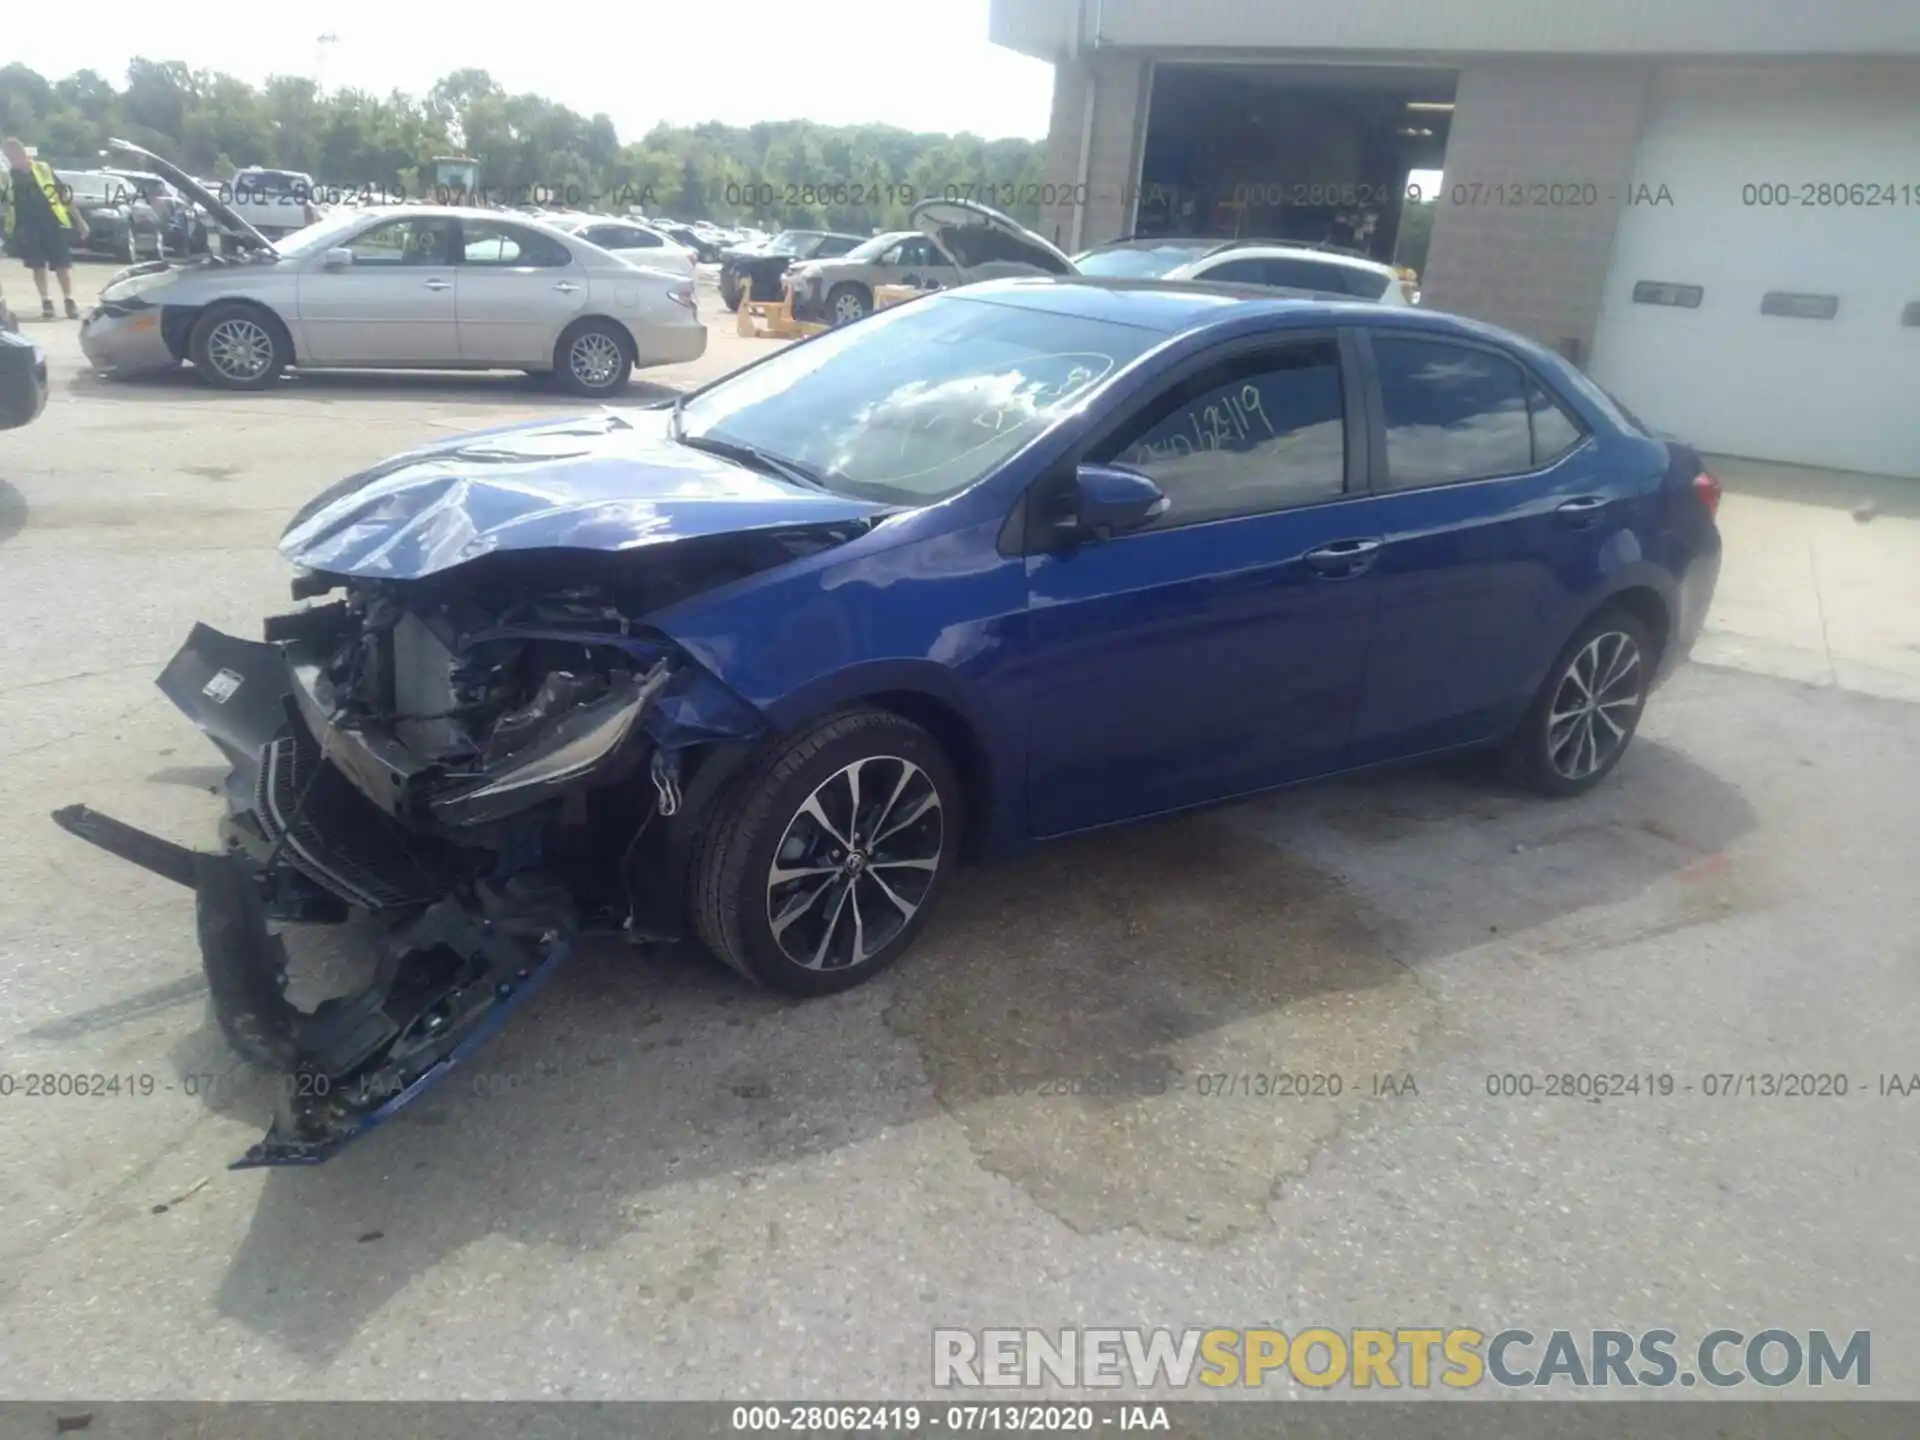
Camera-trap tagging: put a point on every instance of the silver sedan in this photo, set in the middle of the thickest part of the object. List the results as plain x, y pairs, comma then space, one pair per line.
403, 287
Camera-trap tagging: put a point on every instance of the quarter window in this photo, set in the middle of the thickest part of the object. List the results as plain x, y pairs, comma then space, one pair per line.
1262, 432
1555, 432
1451, 413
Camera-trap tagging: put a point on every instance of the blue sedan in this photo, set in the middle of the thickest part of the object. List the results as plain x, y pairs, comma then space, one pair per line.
994, 566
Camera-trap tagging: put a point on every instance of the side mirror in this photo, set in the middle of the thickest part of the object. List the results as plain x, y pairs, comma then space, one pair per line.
1105, 501
339, 258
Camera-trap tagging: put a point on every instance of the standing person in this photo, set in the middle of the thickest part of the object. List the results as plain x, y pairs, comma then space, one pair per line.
37, 224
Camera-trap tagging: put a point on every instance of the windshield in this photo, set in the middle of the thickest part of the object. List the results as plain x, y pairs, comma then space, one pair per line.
915, 403
1140, 262
322, 235
876, 247
787, 242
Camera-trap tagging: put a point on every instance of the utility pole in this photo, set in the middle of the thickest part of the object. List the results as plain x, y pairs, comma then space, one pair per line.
320, 61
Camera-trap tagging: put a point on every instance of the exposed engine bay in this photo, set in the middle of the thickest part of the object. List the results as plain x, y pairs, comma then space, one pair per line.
490, 761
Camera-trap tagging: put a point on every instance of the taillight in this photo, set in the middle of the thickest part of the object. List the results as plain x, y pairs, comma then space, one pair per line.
1707, 490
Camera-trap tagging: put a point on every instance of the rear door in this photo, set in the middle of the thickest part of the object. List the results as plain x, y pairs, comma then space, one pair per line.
1494, 504
518, 289
1220, 649
394, 305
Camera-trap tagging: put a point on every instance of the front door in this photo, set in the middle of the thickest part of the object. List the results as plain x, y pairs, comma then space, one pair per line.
1220, 650
393, 305
518, 290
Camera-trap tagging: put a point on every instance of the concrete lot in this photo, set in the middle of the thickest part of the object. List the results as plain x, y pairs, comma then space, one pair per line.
658, 1184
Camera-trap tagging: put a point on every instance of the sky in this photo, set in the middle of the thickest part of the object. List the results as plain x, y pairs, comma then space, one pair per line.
832, 61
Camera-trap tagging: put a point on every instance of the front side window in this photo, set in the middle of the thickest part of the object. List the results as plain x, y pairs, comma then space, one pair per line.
410, 241
1262, 432
917, 402
1451, 413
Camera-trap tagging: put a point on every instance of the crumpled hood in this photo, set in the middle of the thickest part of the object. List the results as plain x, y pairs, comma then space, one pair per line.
605, 482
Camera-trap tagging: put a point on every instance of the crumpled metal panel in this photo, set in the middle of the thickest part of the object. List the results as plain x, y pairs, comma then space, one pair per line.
606, 482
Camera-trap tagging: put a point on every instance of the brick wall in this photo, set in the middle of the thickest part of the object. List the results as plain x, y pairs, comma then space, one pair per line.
1119, 118
1536, 268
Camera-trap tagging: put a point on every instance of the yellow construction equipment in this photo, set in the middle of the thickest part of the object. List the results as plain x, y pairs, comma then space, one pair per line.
773, 319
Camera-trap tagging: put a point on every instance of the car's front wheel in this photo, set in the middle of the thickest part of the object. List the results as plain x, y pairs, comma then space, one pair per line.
1588, 708
849, 302
238, 347
730, 292
825, 859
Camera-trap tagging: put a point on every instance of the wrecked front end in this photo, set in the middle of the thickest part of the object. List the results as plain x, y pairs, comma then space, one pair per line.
490, 762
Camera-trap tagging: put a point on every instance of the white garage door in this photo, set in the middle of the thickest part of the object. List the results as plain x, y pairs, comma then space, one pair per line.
1795, 191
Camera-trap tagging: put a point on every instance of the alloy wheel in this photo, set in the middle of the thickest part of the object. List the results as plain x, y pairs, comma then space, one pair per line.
1593, 706
594, 359
847, 308
855, 864
240, 349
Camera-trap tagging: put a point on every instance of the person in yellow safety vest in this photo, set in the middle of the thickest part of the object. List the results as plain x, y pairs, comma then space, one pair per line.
38, 224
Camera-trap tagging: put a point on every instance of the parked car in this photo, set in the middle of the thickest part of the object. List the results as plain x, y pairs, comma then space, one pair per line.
23, 376
273, 202
389, 287
180, 226
1284, 263
841, 290
1013, 561
118, 220
756, 272
705, 247
630, 240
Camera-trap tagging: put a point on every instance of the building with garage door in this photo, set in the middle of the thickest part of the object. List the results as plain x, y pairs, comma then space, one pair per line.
1712, 205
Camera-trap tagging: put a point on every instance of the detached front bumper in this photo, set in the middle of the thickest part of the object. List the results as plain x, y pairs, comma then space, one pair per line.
123, 342
303, 845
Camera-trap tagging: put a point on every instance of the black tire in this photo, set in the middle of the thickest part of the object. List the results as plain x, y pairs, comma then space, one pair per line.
764, 813
849, 301
730, 292
594, 357
1572, 754
230, 329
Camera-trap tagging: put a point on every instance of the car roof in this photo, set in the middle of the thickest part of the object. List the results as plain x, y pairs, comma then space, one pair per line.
1172, 306
1302, 252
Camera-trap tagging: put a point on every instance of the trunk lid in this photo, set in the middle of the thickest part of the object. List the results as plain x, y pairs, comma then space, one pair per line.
983, 244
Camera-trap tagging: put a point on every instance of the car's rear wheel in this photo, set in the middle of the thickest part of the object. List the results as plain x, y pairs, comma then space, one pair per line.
593, 358
1588, 708
848, 302
238, 347
825, 859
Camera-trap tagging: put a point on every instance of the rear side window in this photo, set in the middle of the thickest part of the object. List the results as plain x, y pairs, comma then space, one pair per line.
1261, 432
1451, 413
1306, 275
1555, 432
1364, 284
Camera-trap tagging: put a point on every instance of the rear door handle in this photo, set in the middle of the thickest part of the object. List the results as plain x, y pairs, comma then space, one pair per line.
1343, 559
1582, 511
566, 287
439, 284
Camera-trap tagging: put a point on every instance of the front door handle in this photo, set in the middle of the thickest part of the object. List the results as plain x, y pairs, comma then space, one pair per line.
439, 284
1343, 559
565, 287
1582, 512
